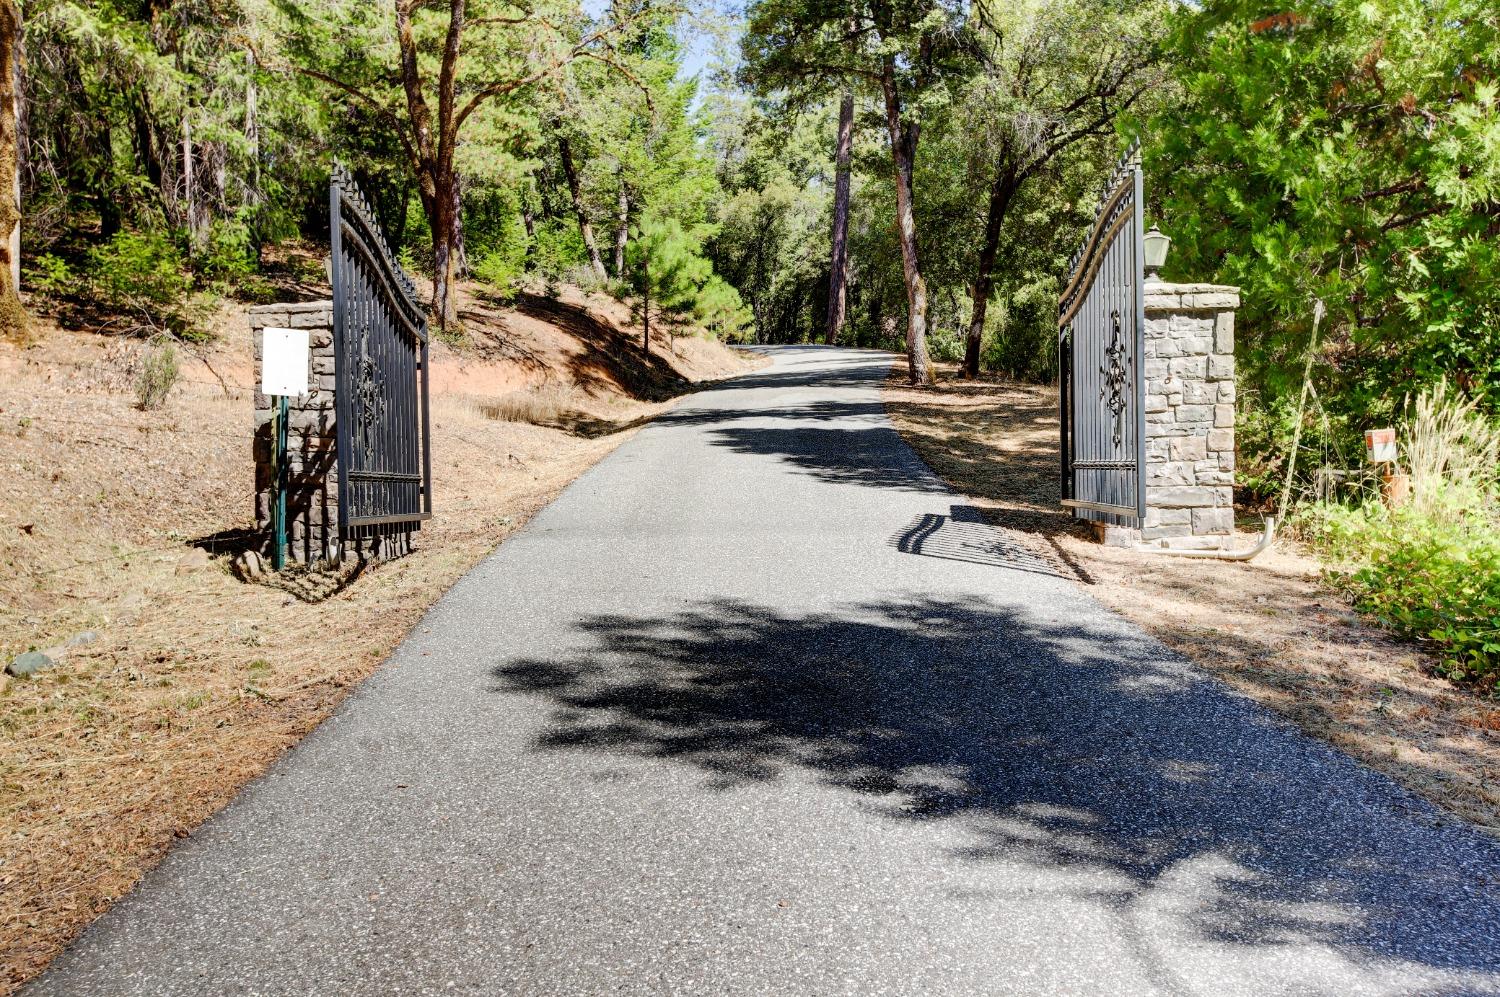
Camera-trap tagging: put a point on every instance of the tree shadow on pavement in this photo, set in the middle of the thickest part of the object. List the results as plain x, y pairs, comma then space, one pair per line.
1055, 745
835, 440
870, 455
819, 366
841, 439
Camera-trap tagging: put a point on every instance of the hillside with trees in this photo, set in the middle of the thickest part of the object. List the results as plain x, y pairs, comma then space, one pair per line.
170, 149
910, 175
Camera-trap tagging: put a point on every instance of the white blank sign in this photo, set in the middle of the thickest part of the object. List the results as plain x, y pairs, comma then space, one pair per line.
284, 362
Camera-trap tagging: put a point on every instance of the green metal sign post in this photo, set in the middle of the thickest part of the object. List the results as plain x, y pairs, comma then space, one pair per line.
278, 471
285, 365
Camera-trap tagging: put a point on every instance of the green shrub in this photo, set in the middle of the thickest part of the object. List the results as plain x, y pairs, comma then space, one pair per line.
143, 271
584, 277
230, 255
502, 269
157, 374
556, 249
52, 275
720, 310
1430, 568
257, 290
1433, 578
144, 277
945, 345
1020, 334
412, 264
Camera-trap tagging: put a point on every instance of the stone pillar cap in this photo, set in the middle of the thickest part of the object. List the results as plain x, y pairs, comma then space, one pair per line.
1161, 296
1157, 286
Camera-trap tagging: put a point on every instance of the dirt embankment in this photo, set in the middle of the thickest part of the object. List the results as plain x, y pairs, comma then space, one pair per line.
1270, 628
193, 681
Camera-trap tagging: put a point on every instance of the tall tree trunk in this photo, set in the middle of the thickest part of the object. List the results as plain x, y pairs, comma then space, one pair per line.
146, 149
460, 252
13, 320
16, 73
252, 126
440, 215
622, 230
646, 312
106, 200
903, 152
220, 175
528, 219
195, 209
398, 218
838, 279
187, 177
1001, 192
575, 189
252, 140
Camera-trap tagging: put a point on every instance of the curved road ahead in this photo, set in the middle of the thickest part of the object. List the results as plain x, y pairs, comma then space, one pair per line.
759, 706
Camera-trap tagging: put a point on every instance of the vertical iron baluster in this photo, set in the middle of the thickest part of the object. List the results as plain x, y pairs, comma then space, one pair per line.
1139, 276
338, 276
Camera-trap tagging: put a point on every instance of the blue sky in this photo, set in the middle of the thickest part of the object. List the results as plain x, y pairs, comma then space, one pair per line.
700, 46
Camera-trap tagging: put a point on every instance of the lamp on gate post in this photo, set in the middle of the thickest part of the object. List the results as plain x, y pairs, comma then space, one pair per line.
1157, 243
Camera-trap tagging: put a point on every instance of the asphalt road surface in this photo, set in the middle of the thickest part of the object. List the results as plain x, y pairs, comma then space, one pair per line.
759, 706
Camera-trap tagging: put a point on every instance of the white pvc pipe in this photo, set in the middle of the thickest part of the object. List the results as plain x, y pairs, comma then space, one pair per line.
1266, 537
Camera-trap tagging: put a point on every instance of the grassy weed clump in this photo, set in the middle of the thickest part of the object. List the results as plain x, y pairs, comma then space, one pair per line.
1429, 569
1452, 453
1431, 577
157, 374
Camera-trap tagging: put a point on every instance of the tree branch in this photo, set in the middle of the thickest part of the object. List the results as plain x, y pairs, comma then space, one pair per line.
364, 98
499, 87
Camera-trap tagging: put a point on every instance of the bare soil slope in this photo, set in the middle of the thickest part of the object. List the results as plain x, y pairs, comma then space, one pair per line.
113, 522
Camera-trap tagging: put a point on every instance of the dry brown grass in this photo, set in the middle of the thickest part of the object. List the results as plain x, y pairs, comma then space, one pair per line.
542, 405
198, 681
1271, 628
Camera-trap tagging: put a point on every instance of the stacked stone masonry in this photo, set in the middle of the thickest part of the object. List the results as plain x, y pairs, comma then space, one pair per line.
1190, 396
312, 451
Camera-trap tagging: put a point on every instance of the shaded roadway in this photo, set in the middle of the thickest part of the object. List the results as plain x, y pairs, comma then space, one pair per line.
759, 705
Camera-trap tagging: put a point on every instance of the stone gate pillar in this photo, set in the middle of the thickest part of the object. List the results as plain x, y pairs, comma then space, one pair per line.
1190, 395
312, 504
312, 500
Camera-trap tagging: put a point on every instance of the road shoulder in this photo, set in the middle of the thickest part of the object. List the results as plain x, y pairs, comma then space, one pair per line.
1270, 629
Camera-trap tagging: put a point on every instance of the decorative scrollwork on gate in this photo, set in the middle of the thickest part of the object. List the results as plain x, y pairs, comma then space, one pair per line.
369, 398
1112, 391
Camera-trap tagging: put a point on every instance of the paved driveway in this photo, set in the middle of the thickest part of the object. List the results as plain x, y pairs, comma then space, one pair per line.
759, 706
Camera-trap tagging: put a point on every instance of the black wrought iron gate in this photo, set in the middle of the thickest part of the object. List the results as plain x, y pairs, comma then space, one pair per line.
1101, 333
380, 375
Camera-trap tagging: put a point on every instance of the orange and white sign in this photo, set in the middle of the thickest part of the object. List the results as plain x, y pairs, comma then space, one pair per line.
1380, 445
